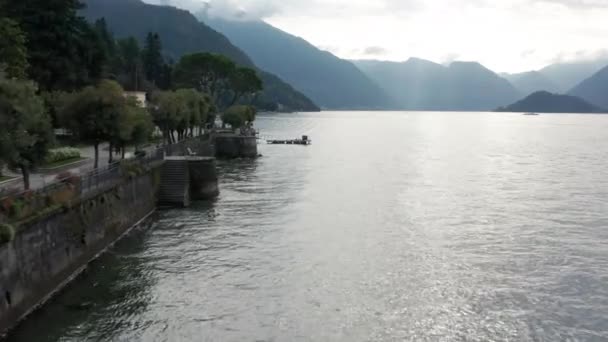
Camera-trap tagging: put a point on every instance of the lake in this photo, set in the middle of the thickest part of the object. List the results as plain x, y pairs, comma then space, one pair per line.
390, 227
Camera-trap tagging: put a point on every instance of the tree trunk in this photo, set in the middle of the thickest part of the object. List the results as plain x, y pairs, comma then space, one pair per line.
96, 146
25, 172
110, 154
234, 99
123, 153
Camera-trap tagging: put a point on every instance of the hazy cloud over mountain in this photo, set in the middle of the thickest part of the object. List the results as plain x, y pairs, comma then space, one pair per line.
375, 51
505, 35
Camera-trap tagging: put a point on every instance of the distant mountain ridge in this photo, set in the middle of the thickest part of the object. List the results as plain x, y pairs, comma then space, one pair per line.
568, 75
182, 33
545, 102
331, 82
419, 84
594, 89
531, 82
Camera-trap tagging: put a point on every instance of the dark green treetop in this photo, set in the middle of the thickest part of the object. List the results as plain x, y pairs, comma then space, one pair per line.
26, 133
64, 51
13, 51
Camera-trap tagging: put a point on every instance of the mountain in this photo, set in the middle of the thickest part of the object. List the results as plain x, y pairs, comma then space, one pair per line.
594, 89
531, 82
545, 102
418, 84
568, 75
182, 33
331, 82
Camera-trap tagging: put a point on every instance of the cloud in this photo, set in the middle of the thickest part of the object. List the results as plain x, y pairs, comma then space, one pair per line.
505, 35
449, 58
578, 4
580, 56
375, 51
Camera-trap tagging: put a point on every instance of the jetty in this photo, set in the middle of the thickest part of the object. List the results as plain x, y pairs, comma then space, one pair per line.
302, 141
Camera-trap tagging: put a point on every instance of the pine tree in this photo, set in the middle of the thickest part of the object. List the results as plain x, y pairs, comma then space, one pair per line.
153, 58
13, 53
64, 51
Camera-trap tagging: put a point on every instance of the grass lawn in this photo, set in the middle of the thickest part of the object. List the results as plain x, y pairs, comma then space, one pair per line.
5, 178
61, 163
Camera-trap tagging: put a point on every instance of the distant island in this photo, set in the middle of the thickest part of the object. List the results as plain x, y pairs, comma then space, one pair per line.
545, 102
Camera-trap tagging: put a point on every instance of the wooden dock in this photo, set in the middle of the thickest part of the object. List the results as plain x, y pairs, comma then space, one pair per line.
303, 141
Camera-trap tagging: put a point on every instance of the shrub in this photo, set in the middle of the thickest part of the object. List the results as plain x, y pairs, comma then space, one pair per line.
61, 154
7, 233
233, 118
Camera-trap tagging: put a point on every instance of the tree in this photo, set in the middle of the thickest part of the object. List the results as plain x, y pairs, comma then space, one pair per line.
94, 113
217, 76
130, 71
13, 53
55, 102
109, 48
197, 110
132, 126
205, 72
168, 112
26, 133
143, 127
153, 59
244, 82
239, 116
64, 51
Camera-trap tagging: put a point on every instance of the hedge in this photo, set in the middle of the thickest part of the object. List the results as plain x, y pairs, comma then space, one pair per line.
61, 154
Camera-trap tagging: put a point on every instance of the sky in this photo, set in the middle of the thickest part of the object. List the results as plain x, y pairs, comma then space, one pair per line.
503, 35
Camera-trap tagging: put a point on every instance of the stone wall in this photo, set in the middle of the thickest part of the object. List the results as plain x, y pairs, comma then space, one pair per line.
235, 146
203, 178
200, 146
47, 251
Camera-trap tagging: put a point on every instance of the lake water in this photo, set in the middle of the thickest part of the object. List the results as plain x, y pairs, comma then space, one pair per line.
390, 227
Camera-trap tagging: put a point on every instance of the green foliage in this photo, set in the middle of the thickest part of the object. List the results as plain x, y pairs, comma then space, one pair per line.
92, 111
102, 113
55, 102
26, 133
128, 68
61, 154
217, 76
206, 72
233, 118
64, 51
180, 111
13, 52
7, 233
197, 108
168, 111
238, 116
132, 126
153, 58
244, 82
143, 127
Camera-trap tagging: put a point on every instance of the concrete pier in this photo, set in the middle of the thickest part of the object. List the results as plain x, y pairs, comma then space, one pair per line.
188, 178
175, 182
230, 146
203, 178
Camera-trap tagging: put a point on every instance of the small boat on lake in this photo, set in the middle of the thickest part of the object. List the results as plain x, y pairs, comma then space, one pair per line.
531, 113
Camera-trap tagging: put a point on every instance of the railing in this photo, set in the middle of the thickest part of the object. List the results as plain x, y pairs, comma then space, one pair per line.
107, 176
100, 179
95, 180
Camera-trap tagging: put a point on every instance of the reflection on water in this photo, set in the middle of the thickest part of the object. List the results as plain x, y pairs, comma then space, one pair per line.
390, 227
